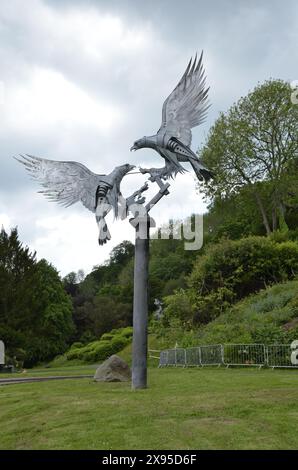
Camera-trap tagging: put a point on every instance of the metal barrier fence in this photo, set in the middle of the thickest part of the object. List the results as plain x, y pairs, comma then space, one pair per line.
211, 355
280, 355
244, 354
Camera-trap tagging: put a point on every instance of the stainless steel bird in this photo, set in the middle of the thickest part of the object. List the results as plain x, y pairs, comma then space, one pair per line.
69, 182
185, 108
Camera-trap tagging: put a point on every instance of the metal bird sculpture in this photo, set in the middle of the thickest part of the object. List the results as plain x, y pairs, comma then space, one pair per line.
185, 108
70, 182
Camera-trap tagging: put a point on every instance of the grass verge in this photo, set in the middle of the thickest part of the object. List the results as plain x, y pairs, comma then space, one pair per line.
181, 409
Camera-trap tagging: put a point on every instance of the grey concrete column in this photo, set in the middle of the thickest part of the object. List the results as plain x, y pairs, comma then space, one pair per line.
140, 305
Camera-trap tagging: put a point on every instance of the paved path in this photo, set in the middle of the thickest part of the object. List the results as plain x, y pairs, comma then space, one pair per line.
21, 380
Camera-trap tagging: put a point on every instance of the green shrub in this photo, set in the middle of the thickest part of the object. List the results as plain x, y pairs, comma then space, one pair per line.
103, 350
110, 343
244, 266
76, 345
269, 334
89, 357
126, 332
118, 343
179, 305
73, 353
106, 336
268, 317
229, 271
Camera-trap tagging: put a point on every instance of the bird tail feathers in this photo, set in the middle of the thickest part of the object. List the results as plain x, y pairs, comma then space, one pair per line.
203, 174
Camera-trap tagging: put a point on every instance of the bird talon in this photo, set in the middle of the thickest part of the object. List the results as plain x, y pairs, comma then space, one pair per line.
141, 200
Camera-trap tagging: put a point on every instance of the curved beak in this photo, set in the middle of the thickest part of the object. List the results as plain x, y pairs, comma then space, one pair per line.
133, 148
131, 167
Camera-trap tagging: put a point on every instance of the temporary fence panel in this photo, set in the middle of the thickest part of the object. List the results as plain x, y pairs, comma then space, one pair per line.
281, 355
163, 358
211, 355
171, 357
180, 357
244, 354
193, 356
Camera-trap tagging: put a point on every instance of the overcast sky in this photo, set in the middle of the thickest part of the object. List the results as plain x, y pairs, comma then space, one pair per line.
81, 80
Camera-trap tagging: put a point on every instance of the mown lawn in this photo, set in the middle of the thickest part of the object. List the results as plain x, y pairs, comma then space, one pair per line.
182, 409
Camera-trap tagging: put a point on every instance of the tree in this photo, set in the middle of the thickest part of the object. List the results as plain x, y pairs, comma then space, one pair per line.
52, 324
70, 283
255, 145
35, 311
103, 299
234, 216
17, 267
122, 253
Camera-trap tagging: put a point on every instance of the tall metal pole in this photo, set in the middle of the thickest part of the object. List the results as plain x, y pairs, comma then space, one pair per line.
140, 299
140, 305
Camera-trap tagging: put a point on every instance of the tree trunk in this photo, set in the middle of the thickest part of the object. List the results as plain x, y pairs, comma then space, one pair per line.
263, 212
282, 220
274, 220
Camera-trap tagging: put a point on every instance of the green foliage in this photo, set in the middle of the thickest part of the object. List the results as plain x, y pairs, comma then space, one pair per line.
76, 345
35, 312
103, 299
119, 257
180, 306
126, 332
254, 146
168, 267
109, 343
231, 270
234, 216
267, 317
106, 336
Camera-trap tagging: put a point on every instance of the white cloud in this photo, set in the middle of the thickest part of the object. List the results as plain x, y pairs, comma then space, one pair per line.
5, 221
50, 101
69, 241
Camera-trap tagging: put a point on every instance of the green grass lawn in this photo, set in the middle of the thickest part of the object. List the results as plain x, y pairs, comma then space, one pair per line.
182, 409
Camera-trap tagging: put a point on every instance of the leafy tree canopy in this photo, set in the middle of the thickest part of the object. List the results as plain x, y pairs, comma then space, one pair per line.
256, 142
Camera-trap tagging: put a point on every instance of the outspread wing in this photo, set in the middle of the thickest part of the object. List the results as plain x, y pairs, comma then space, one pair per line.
187, 105
64, 182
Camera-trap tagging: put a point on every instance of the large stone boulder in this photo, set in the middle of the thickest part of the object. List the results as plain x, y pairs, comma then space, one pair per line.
113, 369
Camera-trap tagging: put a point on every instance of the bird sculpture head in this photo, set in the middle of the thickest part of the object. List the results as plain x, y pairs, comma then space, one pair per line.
139, 144
122, 170
118, 174
126, 168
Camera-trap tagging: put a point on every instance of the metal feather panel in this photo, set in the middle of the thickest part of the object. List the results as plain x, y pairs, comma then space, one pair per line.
187, 105
64, 182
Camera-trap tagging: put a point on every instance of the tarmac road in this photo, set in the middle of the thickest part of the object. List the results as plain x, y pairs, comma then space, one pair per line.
17, 380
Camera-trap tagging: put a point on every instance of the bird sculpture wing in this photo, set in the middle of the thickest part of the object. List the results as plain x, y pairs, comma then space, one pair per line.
187, 105
64, 182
